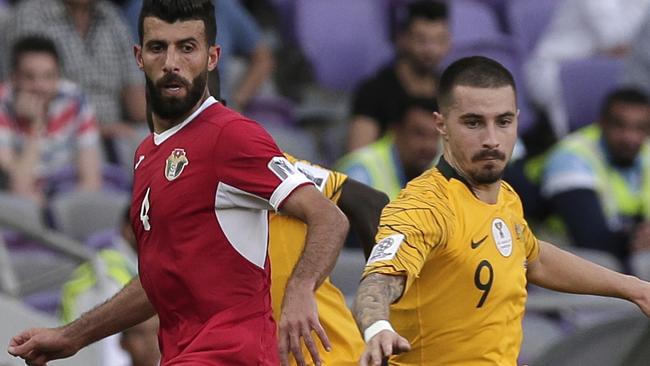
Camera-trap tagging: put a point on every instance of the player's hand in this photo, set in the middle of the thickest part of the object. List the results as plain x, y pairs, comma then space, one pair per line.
31, 107
298, 319
39, 345
641, 296
382, 345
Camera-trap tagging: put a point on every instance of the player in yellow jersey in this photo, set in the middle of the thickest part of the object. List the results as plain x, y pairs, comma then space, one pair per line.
446, 282
362, 205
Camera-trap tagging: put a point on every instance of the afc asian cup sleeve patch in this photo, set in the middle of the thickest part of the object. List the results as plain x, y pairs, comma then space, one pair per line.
315, 174
281, 167
386, 249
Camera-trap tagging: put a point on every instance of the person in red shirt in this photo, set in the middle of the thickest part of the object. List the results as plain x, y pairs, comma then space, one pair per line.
203, 184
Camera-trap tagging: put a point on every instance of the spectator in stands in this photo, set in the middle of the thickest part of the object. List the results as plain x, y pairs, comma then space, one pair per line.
238, 35
401, 155
46, 123
598, 178
578, 29
422, 44
141, 343
96, 50
637, 66
93, 283
5, 15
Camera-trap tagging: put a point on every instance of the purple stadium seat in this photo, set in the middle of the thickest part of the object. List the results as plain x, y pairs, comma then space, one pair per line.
345, 41
46, 301
585, 83
114, 179
528, 20
472, 21
278, 111
506, 54
103, 239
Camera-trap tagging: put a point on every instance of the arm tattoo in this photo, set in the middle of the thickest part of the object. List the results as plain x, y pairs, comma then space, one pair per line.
376, 293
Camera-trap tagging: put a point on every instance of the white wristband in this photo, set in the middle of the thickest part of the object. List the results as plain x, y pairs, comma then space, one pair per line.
375, 328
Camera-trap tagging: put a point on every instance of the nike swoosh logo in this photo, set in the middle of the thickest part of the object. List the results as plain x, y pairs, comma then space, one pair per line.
475, 244
139, 161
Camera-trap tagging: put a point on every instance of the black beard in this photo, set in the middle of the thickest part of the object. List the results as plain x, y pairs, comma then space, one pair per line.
171, 108
487, 176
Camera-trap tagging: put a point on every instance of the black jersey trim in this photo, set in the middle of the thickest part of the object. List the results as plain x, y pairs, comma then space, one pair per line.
449, 173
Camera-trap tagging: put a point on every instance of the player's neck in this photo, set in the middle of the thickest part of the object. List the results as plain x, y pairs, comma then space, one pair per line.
161, 125
488, 193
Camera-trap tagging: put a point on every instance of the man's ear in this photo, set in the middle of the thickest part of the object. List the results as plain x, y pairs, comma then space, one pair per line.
137, 52
439, 121
214, 53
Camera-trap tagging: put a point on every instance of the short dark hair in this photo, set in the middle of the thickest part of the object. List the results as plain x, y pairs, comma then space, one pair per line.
174, 10
414, 103
33, 44
629, 95
474, 71
425, 104
426, 9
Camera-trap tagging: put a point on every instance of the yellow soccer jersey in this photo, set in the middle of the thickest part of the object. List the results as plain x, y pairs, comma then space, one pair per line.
465, 262
287, 240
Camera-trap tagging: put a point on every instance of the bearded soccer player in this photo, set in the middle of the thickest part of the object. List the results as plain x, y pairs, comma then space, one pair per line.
203, 185
362, 205
446, 283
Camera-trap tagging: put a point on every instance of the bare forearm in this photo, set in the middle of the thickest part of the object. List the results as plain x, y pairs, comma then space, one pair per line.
90, 169
261, 67
127, 308
325, 236
374, 296
135, 103
364, 218
559, 270
22, 170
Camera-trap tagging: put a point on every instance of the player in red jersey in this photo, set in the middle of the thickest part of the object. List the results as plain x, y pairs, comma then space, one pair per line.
203, 183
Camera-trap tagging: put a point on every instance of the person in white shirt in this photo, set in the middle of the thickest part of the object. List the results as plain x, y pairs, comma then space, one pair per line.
578, 29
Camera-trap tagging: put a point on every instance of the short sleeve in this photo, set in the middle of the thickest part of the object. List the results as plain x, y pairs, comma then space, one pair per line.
564, 171
522, 230
409, 229
87, 128
251, 167
327, 181
531, 243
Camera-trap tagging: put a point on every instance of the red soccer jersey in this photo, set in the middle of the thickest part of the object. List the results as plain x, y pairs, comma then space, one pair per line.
199, 211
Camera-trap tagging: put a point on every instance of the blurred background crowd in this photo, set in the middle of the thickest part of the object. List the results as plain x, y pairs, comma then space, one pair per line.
351, 85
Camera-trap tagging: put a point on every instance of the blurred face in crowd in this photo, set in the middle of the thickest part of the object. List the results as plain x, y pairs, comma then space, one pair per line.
426, 43
141, 343
416, 140
176, 59
37, 74
625, 128
479, 130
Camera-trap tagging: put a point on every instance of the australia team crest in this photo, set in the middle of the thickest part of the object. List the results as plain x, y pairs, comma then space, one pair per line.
176, 162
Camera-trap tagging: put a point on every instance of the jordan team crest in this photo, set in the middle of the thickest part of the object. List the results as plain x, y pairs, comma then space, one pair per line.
176, 162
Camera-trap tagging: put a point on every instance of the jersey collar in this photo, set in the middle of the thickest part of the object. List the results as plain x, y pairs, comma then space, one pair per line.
159, 138
449, 172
